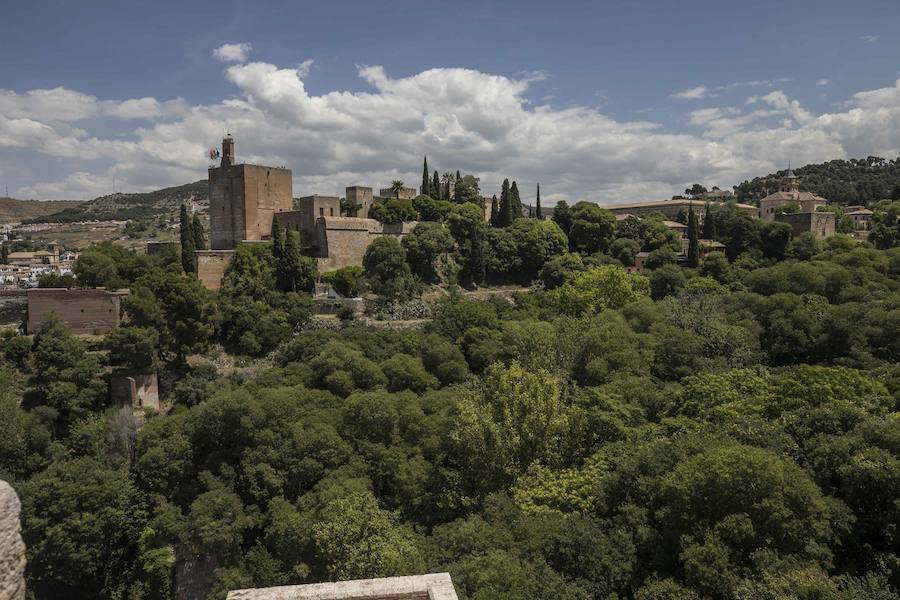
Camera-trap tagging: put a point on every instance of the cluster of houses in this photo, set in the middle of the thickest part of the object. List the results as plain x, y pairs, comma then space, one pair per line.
24, 269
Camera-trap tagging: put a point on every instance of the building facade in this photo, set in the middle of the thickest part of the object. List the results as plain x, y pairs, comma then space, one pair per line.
789, 194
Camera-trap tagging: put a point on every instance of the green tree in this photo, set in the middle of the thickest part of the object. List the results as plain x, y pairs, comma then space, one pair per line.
386, 268
396, 188
436, 187
600, 288
426, 179
133, 349
515, 202
187, 240
424, 245
295, 272
356, 539
95, 269
505, 215
495, 211
198, 233
591, 228
693, 239
537, 204
467, 190
709, 224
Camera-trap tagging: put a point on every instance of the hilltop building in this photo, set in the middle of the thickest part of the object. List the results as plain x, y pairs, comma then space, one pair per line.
405, 193
788, 194
243, 199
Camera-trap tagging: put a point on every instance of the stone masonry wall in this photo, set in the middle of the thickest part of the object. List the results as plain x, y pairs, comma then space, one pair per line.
12, 548
342, 241
81, 311
210, 267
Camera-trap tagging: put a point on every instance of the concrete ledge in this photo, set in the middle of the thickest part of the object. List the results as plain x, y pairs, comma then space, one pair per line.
435, 586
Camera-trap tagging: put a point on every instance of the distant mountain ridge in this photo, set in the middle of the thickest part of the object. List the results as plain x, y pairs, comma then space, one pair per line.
125, 207
855, 181
17, 211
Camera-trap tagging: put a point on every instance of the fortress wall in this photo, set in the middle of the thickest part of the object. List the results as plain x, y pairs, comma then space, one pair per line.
81, 311
210, 267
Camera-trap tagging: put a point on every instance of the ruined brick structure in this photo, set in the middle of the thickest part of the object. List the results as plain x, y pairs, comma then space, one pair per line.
436, 586
342, 241
210, 266
821, 224
81, 311
136, 391
406, 193
244, 198
362, 196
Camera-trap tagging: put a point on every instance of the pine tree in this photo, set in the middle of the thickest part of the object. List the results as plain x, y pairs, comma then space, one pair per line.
436, 186
495, 212
693, 239
455, 192
187, 240
515, 203
537, 204
426, 179
198, 233
504, 218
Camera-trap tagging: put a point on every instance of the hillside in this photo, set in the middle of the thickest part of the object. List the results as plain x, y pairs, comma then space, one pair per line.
854, 181
125, 207
16, 211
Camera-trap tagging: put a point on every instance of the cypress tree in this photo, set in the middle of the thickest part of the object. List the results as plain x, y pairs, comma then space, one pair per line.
290, 261
455, 186
277, 243
504, 218
537, 204
198, 233
495, 212
709, 224
515, 203
436, 186
693, 239
187, 240
426, 179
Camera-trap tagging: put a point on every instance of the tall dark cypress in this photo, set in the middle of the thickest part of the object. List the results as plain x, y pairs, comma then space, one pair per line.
537, 204
436, 186
515, 203
426, 179
187, 240
277, 243
504, 218
709, 224
693, 239
198, 233
495, 211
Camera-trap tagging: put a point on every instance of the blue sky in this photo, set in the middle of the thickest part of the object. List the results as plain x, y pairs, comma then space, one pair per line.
599, 100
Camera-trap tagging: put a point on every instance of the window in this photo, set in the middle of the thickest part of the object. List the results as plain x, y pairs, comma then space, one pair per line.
332, 211
321, 212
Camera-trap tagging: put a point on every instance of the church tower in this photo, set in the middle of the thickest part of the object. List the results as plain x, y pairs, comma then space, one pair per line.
790, 183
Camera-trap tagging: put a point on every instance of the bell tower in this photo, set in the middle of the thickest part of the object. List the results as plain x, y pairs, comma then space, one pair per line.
227, 151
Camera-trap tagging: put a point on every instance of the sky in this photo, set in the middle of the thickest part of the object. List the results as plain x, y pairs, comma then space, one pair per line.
607, 101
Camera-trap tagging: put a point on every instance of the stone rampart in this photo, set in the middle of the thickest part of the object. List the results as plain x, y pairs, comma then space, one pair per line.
436, 586
81, 311
342, 241
210, 266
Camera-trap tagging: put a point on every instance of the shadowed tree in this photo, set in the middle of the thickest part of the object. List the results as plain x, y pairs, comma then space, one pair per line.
537, 204
187, 240
426, 179
693, 238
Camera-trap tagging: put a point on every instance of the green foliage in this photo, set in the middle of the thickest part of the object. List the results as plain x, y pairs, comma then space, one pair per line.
387, 271
347, 281
599, 288
425, 245
393, 210
188, 240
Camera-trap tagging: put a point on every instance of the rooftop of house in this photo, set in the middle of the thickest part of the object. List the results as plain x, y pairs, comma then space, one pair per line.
794, 196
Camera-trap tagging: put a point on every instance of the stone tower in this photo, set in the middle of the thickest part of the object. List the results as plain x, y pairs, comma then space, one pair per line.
790, 182
244, 198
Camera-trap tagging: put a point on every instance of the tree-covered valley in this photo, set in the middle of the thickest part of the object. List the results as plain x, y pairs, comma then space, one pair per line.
727, 429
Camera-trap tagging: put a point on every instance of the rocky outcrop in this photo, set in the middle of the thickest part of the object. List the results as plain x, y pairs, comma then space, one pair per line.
12, 548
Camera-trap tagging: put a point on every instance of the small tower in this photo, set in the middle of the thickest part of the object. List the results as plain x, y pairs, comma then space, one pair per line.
790, 182
227, 151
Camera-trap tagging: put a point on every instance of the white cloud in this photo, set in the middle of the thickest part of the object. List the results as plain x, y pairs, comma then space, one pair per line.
823, 82
304, 68
233, 52
462, 119
869, 39
702, 91
694, 93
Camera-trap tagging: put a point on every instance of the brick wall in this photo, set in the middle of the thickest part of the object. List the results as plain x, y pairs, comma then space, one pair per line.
81, 311
210, 266
821, 224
